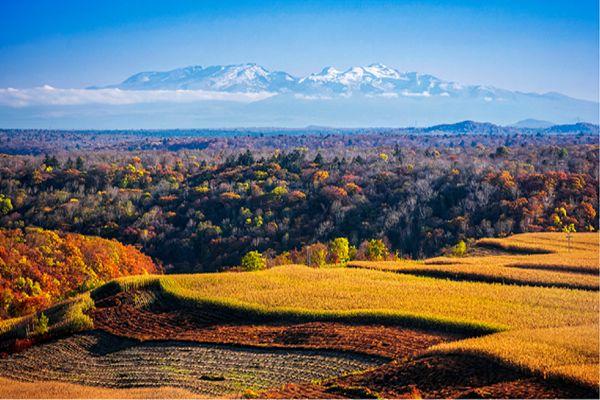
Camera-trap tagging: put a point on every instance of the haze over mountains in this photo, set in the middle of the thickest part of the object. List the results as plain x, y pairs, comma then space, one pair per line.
375, 79
251, 95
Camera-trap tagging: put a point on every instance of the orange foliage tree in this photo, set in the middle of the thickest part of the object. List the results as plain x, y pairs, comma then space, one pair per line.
40, 267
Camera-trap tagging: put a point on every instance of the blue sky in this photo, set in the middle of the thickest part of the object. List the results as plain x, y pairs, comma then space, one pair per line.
524, 45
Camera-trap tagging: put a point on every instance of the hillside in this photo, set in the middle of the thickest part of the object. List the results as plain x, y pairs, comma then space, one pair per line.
200, 209
40, 267
400, 333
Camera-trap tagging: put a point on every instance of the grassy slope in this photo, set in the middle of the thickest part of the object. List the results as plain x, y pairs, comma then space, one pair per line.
543, 259
557, 265
63, 318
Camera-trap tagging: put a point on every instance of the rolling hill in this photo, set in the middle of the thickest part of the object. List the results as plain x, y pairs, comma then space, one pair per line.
405, 334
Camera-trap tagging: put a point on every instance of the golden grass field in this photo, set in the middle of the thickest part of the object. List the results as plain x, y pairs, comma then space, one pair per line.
61, 390
341, 291
551, 262
548, 330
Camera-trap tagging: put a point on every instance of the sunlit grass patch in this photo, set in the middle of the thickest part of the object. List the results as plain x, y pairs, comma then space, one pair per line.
544, 260
296, 289
558, 352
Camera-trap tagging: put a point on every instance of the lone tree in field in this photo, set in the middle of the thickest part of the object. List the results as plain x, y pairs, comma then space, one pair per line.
460, 249
569, 230
339, 250
376, 250
253, 261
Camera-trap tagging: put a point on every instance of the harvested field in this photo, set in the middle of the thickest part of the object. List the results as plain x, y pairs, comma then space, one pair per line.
292, 294
100, 359
120, 315
414, 371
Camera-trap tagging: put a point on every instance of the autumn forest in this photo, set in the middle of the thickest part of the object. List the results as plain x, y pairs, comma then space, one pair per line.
202, 206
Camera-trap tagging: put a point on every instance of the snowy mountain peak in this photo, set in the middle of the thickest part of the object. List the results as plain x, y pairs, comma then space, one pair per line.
353, 74
330, 71
373, 80
382, 71
249, 94
326, 74
248, 77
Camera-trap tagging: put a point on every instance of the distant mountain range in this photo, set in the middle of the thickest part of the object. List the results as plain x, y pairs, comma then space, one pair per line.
373, 80
486, 128
248, 95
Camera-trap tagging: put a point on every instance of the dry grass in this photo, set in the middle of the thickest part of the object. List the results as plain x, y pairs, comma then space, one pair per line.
544, 259
564, 351
10, 389
338, 292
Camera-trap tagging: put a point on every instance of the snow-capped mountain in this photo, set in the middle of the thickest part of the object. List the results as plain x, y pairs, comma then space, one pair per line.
250, 95
375, 79
228, 78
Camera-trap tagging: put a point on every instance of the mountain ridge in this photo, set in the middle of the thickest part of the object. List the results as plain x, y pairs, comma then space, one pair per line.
250, 95
373, 80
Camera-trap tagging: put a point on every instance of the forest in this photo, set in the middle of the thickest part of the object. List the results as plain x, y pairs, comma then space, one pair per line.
40, 267
201, 203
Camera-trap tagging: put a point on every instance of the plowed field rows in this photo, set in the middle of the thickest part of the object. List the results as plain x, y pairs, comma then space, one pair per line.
100, 359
